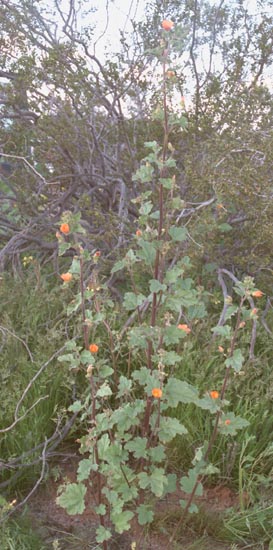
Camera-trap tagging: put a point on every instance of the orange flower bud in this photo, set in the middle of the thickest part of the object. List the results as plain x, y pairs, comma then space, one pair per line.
138, 232
66, 277
214, 394
97, 254
227, 422
170, 74
157, 393
167, 25
58, 235
185, 328
221, 349
254, 311
64, 228
257, 293
242, 324
93, 348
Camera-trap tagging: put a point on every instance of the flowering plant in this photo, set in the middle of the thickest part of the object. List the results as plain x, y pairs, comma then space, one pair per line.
125, 445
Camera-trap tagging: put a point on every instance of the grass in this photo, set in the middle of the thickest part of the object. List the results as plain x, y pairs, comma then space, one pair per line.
19, 535
32, 330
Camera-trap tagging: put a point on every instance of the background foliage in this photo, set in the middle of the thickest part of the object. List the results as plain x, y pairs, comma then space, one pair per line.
72, 129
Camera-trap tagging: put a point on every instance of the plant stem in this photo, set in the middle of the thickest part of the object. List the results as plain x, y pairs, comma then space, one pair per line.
157, 264
93, 395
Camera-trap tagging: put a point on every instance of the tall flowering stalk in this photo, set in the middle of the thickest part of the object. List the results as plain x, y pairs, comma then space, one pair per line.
129, 426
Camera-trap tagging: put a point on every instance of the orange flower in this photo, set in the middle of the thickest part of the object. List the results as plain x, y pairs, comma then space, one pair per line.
221, 349
66, 277
138, 232
97, 254
227, 422
167, 25
93, 348
214, 394
65, 228
157, 393
185, 328
257, 293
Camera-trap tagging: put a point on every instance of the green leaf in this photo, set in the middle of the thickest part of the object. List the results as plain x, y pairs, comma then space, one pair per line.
146, 208
156, 286
236, 361
178, 234
70, 358
102, 534
124, 387
74, 304
235, 423
171, 486
222, 331
75, 267
67, 358
225, 227
157, 454
137, 446
146, 378
130, 257
70, 345
76, 406
188, 482
84, 469
166, 182
231, 310
132, 300
118, 266
63, 247
72, 499
87, 358
105, 371
127, 416
173, 274
121, 520
155, 215
169, 428
104, 390
182, 121
197, 311
178, 391
152, 145
209, 404
103, 445
100, 510
157, 481
138, 337
145, 514
173, 335
209, 470
147, 252
170, 358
